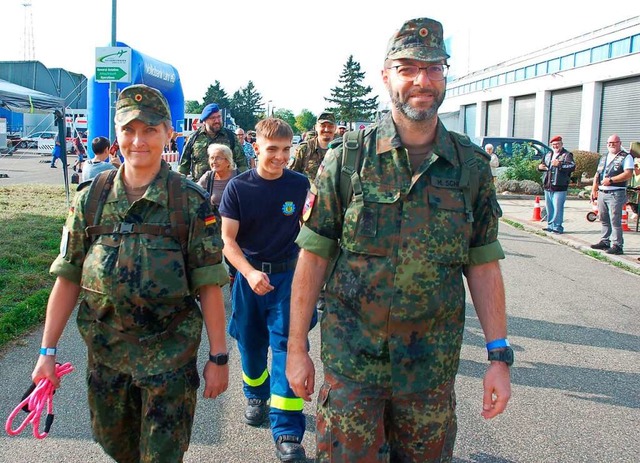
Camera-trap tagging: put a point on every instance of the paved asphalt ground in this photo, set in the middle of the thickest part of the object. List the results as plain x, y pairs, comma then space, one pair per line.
573, 322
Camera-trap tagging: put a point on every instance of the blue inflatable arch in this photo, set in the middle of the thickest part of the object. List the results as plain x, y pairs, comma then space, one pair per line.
144, 70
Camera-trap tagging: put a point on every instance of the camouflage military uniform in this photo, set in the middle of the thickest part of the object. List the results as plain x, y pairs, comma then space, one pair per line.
133, 286
394, 317
195, 160
307, 158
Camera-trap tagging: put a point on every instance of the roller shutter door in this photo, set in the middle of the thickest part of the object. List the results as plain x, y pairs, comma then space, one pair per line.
524, 112
620, 99
564, 119
494, 108
470, 121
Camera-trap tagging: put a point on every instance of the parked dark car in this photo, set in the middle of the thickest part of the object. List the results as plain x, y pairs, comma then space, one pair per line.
505, 146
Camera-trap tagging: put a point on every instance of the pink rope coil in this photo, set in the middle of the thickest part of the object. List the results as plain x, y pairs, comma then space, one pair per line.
34, 404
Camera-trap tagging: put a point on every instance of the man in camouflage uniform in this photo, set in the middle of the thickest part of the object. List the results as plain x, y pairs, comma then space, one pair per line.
310, 153
138, 313
423, 214
195, 160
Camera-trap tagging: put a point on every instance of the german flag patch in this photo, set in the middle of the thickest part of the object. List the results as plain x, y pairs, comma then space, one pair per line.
309, 202
210, 220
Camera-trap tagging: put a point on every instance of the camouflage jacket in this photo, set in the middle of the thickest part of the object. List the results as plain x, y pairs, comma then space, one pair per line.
307, 158
136, 283
395, 302
195, 160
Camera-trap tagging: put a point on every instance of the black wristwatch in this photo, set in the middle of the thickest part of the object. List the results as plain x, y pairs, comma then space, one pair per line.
219, 359
505, 355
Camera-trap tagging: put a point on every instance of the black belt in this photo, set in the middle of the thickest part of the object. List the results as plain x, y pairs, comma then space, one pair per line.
610, 191
273, 267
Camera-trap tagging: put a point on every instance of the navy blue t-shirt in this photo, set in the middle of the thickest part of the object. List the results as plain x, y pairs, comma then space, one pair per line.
269, 213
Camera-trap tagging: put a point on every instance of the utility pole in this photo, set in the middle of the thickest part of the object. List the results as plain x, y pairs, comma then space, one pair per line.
28, 45
113, 89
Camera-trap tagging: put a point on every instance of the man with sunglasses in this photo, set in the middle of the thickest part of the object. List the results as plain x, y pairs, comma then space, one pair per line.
423, 213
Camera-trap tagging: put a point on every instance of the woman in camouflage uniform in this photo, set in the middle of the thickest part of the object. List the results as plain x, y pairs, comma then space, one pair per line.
137, 286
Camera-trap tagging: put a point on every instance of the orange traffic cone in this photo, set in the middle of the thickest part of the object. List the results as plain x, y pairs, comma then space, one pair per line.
625, 219
537, 217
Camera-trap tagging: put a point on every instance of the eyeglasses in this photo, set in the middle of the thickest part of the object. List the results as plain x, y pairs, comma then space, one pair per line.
218, 159
613, 143
408, 73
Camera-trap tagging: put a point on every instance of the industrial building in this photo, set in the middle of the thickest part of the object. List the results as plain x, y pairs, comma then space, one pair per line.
583, 89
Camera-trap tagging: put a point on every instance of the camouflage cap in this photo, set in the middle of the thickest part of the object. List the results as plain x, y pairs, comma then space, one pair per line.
327, 117
420, 39
141, 102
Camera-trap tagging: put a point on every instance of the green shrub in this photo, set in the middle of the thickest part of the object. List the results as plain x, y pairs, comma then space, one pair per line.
519, 186
523, 168
586, 163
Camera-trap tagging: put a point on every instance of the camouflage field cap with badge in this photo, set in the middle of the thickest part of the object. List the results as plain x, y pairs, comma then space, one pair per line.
327, 117
141, 102
420, 39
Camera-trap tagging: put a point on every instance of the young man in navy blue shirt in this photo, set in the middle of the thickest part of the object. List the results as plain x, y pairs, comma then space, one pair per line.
261, 210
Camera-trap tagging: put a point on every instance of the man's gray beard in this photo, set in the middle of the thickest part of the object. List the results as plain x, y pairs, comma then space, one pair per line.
416, 114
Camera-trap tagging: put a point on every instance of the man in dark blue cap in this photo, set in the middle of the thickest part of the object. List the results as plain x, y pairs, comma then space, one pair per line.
195, 160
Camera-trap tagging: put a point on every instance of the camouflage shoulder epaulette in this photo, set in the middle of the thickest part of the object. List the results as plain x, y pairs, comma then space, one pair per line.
335, 143
464, 140
84, 184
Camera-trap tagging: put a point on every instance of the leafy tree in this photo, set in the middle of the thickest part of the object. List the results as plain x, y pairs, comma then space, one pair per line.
246, 105
350, 96
192, 107
304, 121
286, 115
216, 94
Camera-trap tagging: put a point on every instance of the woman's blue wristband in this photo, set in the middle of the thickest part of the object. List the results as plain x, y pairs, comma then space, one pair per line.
48, 351
497, 344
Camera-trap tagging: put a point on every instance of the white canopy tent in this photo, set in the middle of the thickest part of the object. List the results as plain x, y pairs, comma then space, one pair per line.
25, 100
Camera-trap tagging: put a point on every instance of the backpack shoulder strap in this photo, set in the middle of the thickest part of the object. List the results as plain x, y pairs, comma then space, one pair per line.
98, 192
178, 210
469, 174
352, 148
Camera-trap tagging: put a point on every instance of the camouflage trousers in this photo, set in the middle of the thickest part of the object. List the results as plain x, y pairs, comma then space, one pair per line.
358, 423
143, 420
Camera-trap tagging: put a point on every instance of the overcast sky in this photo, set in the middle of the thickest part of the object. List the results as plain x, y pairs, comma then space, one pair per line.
293, 51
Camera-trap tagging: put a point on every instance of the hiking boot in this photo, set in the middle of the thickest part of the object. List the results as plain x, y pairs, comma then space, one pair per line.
256, 412
615, 249
289, 448
601, 245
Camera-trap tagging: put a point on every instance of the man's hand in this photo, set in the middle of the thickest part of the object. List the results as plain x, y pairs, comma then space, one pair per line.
259, 282
216, 380
301, 374
497, 389
542, 166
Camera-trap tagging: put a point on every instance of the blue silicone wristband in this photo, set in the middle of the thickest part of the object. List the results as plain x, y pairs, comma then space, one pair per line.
497, 344
48, 351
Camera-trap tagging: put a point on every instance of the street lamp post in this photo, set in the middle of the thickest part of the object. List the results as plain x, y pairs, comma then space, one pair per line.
269, 108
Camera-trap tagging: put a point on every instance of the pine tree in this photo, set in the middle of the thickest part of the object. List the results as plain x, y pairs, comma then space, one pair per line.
349, 97
216, 94
246, 106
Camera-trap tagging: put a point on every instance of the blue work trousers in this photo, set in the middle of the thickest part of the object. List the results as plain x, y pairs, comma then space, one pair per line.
257, 323
554, 202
